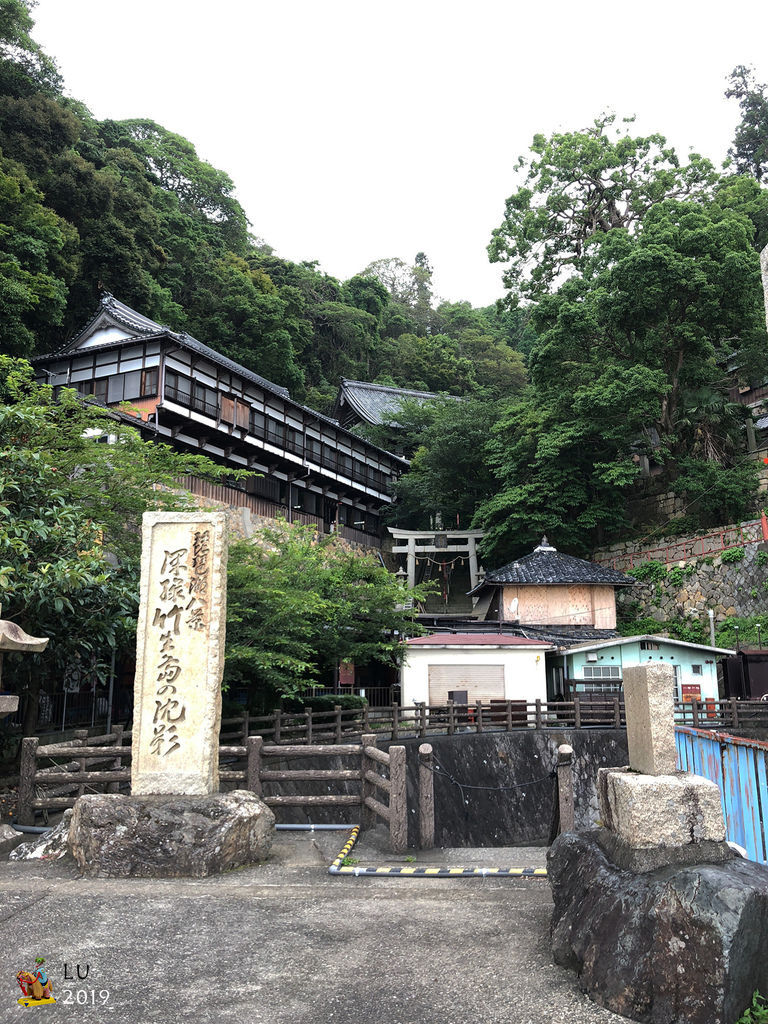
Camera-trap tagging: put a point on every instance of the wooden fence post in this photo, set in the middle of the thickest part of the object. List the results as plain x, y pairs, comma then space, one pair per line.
479, 716
426, 797
538, 713
81, 735
734, 713
509, 716
308, 712
114, 787
367, 816
337, 709
253, 783
422, 720
366, 723
695, 710
616, 712
276, 737
395, 726
565, 787
576, 711
451, 718
398, 805
25, 814
246, 726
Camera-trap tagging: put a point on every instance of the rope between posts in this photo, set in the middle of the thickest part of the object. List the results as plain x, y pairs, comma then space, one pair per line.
440, 770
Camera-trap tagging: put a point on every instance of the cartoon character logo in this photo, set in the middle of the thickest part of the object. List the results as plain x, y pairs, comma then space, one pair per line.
36, 986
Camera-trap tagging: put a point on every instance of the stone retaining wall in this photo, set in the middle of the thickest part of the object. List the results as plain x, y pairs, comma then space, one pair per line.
687, 590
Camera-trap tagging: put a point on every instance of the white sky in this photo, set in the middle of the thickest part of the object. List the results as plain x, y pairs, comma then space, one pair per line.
358, 129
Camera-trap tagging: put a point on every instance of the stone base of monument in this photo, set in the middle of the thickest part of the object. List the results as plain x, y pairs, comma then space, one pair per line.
169, 836
652, 820
683, 944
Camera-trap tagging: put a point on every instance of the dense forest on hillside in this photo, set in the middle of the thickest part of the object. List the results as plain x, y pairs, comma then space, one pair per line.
129, 207
633, 305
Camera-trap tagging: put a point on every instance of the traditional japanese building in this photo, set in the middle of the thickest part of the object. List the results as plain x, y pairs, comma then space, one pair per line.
360, 402
186, 394
549, 588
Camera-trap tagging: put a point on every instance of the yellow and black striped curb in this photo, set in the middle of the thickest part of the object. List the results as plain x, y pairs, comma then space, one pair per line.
338, 868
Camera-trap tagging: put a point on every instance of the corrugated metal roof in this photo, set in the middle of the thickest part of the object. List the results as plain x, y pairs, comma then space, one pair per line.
546, 566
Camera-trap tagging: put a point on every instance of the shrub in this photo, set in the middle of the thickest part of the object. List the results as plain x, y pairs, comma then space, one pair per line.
651, 572
761, 558
732, 555
324, 702
757, 1013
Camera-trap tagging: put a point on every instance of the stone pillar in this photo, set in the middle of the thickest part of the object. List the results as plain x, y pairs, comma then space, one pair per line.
652, 813
411, 562
473, 564
649, 697
179, 654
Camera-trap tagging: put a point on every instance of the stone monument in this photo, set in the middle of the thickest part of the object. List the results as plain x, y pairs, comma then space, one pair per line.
179, 654
175, 822
653, 910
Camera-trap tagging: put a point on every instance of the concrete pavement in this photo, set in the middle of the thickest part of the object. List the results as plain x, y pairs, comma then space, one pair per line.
285, 942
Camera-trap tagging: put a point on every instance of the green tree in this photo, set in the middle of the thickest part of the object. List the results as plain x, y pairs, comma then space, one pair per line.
70, 517
750, 142
37, 262
298, 604
578, 186
630, 360
449, 474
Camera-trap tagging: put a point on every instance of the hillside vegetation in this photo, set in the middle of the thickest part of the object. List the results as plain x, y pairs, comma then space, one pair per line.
633, 305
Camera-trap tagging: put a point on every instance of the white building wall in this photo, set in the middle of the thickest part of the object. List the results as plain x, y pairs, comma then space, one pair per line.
524, 675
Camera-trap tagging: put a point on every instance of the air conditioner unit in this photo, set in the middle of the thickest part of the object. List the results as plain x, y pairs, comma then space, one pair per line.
592, 656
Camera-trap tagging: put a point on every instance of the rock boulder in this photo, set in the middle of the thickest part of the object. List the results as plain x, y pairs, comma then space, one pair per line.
169, 836
678, 945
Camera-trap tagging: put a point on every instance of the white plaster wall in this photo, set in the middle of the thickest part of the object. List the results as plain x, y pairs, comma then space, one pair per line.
524, 675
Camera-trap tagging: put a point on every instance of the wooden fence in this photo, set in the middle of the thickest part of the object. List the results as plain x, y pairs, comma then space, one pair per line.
740, 768
52, 776
72, 773
421, 720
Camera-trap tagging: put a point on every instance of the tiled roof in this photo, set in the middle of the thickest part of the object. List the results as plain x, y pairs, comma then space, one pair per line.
473, 640
375, 403
547, 566
142, 327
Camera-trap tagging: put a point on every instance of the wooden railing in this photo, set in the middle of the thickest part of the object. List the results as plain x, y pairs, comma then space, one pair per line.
52, 776
395, 811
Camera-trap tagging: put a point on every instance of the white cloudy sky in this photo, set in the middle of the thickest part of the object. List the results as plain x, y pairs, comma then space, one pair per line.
358, 129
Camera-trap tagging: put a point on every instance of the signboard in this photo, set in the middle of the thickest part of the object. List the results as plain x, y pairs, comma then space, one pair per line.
691, 691
346, 673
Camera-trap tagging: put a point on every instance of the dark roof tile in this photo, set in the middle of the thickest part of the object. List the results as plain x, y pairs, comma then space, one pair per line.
546, 566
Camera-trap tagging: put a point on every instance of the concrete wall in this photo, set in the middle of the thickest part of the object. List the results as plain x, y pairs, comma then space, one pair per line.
524, 674
487, 818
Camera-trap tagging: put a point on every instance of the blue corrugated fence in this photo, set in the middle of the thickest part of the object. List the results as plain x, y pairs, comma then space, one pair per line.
740, 769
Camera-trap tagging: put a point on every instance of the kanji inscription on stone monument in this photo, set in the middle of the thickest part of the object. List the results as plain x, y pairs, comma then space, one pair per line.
179, 653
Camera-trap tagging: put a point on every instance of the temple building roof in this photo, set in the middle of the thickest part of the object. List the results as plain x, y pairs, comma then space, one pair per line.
546, 566
373, 403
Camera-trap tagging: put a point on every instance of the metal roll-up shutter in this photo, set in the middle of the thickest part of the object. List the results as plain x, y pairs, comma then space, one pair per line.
482, 682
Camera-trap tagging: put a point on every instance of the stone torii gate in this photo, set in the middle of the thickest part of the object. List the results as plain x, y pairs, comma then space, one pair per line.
413, 543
